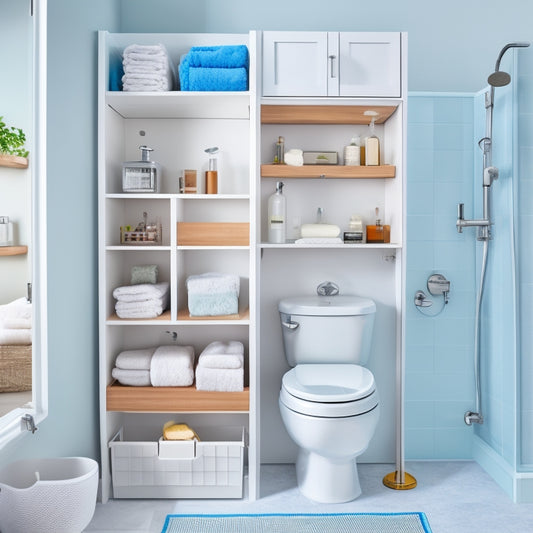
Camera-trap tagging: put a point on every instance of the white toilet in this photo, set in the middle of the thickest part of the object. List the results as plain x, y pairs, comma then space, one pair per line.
328, 401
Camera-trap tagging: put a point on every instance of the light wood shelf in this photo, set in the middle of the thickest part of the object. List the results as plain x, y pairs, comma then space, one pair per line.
183, 314
328, 171
174, 400
324, 114
13, 250
13, 161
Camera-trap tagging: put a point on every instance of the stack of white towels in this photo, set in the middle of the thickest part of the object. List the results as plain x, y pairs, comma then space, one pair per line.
164, 366
147, 68
221, 367
16, 323
213, 294
145, 300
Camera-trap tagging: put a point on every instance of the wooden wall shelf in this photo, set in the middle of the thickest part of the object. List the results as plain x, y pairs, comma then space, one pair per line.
13, 250
328, 171
323, 114
174, 400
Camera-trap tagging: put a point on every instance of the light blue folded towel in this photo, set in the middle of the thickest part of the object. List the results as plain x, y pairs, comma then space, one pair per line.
216, 304
229, 56
215, 68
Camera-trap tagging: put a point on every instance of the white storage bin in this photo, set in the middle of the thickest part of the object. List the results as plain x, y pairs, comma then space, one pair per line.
210, 468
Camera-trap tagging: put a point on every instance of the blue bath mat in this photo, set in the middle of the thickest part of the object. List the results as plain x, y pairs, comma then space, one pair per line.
298, 523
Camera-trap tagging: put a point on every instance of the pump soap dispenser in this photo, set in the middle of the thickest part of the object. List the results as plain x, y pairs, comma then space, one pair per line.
372, 142
277, 215
378, 233
143, 175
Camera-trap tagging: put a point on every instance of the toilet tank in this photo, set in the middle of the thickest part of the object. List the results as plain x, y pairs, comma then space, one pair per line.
327, 329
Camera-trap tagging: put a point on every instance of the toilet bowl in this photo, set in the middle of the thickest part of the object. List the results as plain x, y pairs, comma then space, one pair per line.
48, 495
328, 401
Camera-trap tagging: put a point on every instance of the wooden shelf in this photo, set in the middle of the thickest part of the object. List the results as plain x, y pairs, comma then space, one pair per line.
13, 250
183, 314
328, 171
174, 400
176, 104
323, 114
13, 161
164, 317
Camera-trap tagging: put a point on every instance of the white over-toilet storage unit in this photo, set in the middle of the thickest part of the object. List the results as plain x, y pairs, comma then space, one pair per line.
246, 125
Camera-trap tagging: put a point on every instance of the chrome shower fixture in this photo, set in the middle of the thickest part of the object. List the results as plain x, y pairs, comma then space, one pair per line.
437, 285
499, 78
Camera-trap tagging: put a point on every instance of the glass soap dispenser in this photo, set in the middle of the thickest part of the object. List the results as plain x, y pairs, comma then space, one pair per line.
378, 233
143, 175
211, 174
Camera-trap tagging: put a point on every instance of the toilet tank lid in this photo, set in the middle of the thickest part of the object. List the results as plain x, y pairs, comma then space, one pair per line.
338, 305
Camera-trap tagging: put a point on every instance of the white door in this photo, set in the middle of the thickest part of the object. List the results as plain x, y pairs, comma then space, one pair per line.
369, 64
295, 63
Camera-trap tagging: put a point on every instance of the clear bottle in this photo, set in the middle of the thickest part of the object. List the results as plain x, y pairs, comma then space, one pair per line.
279, 156
211, 174
277, 216
372, 146
352, 152
143, 175
6, 231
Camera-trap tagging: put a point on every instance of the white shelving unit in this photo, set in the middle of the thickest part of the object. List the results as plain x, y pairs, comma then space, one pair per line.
178, 126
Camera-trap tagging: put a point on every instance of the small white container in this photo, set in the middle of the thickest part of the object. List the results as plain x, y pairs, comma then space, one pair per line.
6, 231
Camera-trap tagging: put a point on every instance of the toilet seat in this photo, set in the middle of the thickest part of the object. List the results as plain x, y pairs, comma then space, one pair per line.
332, 391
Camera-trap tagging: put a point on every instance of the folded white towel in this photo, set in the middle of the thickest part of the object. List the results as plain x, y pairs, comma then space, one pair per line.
19, 308
145, 311
213, 283
136, 378
220, 379
140, 292
319, 230
319, 240
150, 49
15, 323
172, 366
135, 359
142, 304
294, 157
220, 354
15, 336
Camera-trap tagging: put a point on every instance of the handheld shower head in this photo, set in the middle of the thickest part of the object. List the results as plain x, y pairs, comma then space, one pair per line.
499, 78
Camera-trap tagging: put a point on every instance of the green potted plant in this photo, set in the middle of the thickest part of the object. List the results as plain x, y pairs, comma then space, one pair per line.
12, 150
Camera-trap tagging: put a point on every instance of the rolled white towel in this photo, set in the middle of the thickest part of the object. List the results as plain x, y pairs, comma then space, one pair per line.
319, 230
213, 283
220, 379
140, 292
222, 354
135, 359
172, 366
15, 336
135, 378
294, 157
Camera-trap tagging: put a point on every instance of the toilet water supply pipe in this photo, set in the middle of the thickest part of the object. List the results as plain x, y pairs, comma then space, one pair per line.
490, 173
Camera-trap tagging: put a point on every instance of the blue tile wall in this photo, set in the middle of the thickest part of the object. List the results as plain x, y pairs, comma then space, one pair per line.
439, 349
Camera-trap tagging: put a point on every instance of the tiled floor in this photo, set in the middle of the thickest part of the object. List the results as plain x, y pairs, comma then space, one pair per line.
457, 497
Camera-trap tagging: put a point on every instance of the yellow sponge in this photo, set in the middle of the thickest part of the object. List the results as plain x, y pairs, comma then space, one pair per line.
173, 431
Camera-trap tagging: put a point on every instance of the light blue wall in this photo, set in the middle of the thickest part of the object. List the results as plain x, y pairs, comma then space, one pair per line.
452, 47
439, 341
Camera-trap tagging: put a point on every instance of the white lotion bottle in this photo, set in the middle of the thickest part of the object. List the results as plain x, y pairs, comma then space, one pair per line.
277, 216
372, 151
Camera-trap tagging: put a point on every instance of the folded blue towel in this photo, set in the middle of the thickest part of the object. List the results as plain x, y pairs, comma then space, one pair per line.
232, 56
215, 79
213, 304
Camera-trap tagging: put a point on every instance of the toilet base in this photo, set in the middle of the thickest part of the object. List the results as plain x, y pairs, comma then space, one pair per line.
327, 480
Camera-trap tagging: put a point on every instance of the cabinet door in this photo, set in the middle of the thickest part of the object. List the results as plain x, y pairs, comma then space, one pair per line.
295, 63
369, 64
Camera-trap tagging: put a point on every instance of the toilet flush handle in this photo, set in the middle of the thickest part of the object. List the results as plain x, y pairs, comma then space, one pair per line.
287, 322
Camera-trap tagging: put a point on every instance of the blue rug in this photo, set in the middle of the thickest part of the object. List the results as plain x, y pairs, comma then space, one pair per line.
298, 523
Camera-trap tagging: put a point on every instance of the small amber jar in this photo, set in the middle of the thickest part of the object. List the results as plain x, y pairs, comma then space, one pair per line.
378, 233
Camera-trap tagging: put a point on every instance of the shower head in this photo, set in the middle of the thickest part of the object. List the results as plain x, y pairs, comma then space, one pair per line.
499, 78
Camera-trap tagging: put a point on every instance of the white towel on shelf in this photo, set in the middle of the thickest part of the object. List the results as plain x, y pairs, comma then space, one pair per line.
135, 378
140, 292
149, 49
319, 230
19, 308
135, 359
219, 379
145, 308
147, 68
15, 323
15, 336
222, 354
213, 283
172, 366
